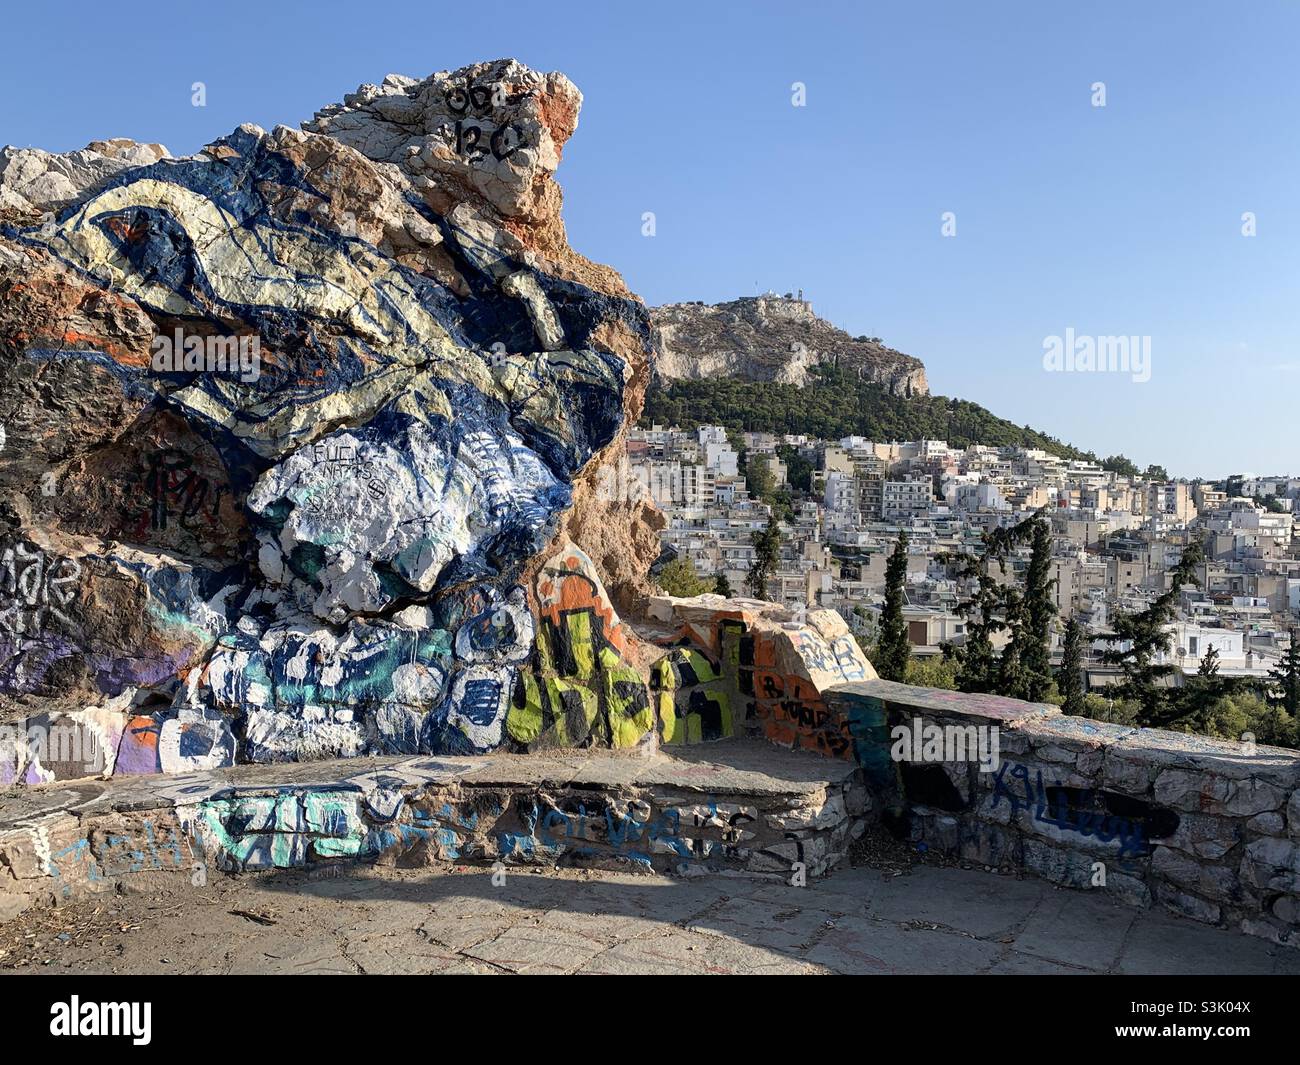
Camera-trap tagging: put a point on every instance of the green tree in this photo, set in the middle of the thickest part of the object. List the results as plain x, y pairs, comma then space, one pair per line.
782, 504
1146, 637
893, 648
759, 479
978, 667
1268, 722
1209, 667
1099, 707
1070, 675
835, 403
767, 557
1284, 679
1022, 669
1200, 701
937, 671
722, 586
679, 578
1029, 652
798, 470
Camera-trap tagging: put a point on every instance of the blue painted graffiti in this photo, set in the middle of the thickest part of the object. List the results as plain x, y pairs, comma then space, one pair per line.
1083, 810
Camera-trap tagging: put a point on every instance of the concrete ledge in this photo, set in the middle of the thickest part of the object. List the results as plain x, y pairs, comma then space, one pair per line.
992, 708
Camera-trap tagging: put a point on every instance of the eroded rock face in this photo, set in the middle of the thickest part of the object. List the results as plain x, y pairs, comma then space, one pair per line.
302, 437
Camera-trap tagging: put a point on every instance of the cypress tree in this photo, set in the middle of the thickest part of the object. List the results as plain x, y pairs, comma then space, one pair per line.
1285, 678
978, 668
894, 650
1070, 678
1026, 671
1039, 611
767, 556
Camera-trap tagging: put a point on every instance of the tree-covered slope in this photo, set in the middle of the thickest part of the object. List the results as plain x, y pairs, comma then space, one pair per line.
836, 404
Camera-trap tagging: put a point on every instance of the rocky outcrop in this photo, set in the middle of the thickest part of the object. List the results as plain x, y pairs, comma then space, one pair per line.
286, 420
771, 338
302, 449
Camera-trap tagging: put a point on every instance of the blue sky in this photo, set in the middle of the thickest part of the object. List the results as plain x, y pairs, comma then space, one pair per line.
1122, 220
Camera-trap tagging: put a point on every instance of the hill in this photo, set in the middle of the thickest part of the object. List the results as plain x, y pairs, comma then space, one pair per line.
772, 338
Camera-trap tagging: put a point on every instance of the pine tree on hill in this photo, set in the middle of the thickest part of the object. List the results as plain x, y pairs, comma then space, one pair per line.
679, 578
835, 403
1146, 636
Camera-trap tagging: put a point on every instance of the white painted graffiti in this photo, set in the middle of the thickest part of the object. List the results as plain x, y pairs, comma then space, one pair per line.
35, 588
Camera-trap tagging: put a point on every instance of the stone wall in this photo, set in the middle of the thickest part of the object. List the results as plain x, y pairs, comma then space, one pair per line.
753, 813
1205, 828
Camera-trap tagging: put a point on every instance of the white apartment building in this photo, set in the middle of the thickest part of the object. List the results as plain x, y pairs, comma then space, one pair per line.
1190, 642
903, 499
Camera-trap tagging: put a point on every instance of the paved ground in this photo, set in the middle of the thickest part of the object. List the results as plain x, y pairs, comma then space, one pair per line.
863, 920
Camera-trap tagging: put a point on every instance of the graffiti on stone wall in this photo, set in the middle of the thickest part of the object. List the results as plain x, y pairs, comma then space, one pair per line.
1104, 816
282, 831
631, 829
176, 492
473, 136
390, 470
841, 656
706, 694
724, 676
35, 589
580, 689
791, 712
866, 720
157, 844
291, 830
788, 703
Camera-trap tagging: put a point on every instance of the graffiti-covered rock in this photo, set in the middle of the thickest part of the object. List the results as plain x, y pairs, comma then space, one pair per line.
293, 425
303, 449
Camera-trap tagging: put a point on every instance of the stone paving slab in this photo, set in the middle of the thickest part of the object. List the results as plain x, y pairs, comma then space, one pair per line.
454, 920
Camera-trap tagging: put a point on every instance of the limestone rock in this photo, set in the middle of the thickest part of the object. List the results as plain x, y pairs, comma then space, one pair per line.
32, 180
771, 338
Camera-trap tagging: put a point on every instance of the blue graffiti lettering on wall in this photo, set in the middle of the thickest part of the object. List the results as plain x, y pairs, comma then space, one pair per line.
634, 832
156, 849
1083, 810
